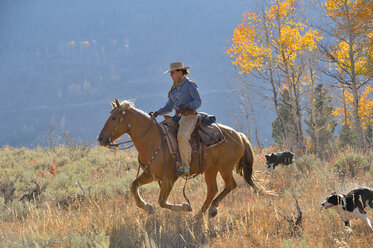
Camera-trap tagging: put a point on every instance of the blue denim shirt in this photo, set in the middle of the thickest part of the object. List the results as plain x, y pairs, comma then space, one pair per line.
186, 95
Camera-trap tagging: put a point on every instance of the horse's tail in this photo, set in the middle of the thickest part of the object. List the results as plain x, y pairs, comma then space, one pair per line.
245, 167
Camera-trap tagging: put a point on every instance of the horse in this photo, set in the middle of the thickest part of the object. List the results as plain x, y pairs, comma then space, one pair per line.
234, 153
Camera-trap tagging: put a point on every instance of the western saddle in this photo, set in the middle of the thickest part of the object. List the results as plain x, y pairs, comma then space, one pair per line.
206, 134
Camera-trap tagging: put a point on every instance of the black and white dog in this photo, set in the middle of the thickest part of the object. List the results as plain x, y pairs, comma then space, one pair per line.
352, 205
277, 158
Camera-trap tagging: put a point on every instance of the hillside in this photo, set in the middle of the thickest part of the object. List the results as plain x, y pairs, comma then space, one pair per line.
62, 61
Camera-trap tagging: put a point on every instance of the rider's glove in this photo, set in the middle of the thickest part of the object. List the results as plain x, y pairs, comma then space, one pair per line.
153, 114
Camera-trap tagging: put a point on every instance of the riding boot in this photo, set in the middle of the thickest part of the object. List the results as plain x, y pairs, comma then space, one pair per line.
183, 170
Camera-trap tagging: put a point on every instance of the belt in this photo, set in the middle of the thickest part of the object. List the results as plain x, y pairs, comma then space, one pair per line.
186, 112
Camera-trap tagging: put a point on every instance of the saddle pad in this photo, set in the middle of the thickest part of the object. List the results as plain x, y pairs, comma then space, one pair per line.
171, 139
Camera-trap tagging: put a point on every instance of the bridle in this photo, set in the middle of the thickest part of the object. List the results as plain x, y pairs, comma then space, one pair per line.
145, 166
116, 146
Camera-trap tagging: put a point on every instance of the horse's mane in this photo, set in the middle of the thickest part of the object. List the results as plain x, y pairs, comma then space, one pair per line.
130, 104
126, 104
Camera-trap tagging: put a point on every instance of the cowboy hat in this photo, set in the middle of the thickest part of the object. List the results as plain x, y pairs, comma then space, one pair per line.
177, 66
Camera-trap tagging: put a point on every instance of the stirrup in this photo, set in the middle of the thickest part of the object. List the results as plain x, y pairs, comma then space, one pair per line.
183, 171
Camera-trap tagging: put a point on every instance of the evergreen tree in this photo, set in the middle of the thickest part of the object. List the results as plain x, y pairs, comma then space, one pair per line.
347, 136
321, 123
285, 113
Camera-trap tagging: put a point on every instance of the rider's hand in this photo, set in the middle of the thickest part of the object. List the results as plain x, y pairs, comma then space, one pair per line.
153, 114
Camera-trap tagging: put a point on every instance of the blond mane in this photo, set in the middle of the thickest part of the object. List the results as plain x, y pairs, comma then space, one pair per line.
130, 104
126, 104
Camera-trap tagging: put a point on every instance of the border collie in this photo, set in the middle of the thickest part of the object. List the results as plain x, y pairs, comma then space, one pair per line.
352, 205
277, 158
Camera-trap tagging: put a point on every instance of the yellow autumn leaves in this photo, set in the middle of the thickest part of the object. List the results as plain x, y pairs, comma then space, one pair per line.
280, 39
341, 53
246, 52
271, 37
365, 107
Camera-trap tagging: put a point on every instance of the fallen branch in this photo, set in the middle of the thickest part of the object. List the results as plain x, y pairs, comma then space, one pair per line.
294, 224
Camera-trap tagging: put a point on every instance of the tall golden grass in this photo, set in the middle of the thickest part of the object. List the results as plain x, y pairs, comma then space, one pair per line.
106, 214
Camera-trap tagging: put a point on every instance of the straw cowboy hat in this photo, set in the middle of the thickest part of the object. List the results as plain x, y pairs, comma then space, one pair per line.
177, 66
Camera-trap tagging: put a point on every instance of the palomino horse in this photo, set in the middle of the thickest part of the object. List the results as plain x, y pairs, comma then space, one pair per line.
234, 153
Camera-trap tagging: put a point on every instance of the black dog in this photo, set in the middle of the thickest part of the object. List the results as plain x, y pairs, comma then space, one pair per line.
277, 158
352, 205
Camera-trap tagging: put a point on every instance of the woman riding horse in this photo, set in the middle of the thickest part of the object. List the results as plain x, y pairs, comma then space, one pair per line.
234, 153
185, 99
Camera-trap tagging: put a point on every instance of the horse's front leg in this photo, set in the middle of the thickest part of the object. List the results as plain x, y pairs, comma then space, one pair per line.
165, 192
144, 178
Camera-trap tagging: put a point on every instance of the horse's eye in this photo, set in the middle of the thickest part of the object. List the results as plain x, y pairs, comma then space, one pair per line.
113, 118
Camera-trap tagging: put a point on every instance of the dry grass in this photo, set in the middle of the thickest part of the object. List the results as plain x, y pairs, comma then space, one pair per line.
245, 218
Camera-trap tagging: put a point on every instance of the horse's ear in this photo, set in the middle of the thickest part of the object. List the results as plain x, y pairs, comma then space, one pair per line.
117, 102
112, 104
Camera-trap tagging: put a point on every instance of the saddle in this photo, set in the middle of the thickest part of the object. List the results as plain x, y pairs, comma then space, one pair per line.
205, 135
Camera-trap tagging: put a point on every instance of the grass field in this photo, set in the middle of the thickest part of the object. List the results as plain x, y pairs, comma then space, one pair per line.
79, 197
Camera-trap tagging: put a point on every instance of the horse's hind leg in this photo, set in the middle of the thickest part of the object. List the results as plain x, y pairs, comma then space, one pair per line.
144, 178
165, 192
230, 184
212, 189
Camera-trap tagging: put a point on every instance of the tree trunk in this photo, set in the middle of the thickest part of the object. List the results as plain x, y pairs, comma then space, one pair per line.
274, 90
314, 135
300, 137
345, 117
357, 120
275, 101
253, 116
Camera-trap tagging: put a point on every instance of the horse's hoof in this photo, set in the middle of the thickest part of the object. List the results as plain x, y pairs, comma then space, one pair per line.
149, 208
213, 212
187, 207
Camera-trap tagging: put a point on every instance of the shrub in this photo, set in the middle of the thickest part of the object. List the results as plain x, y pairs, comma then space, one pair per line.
308, 162
352, 164
97, 238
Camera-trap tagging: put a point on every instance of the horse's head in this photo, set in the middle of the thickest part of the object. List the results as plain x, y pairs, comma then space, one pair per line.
116, 125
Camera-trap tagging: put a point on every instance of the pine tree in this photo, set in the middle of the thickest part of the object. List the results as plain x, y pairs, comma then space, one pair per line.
284, 109
347, 136
321, 123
